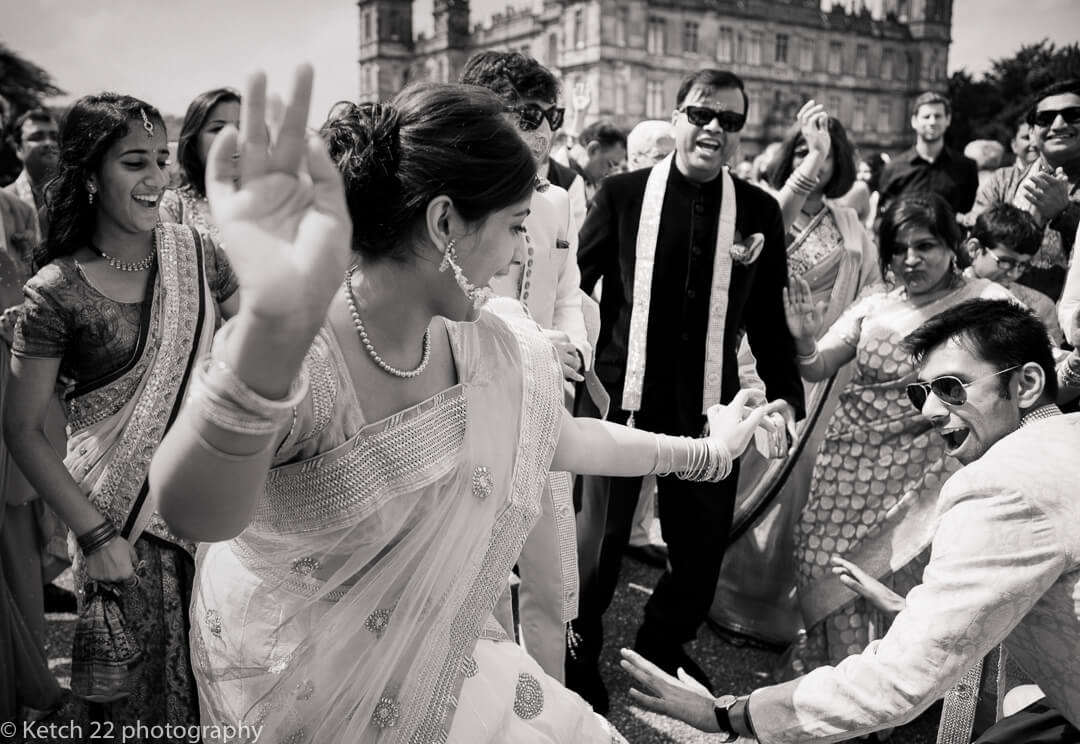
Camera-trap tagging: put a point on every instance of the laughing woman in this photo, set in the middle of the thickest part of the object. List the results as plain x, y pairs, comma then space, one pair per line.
114, 322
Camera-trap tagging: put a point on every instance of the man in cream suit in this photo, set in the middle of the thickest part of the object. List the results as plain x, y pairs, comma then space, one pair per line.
544, 278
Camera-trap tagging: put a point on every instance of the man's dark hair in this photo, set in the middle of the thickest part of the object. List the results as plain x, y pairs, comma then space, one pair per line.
843, 155
1008, 226
40, 115
1072, 85
929, 99
1000, 332
604, 132
511, 76
715, 80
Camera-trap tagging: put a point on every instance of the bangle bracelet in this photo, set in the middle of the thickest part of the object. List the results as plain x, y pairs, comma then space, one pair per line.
807, 360
94, 540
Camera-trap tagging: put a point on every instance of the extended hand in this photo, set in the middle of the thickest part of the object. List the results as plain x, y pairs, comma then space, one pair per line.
568, 354
669, 695
735, 423
284, 225
803, 317
866, 586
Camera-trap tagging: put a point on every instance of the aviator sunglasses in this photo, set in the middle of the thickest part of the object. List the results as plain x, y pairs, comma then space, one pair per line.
949, 390
531, 115
729, 121
1071, 115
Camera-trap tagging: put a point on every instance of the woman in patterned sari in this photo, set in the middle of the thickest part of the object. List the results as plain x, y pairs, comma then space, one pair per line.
114, 322
878, 471
207, 115
370, 453
831, 251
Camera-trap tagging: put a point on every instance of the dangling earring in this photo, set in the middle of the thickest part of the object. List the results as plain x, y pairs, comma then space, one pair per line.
476, 295
90, 197
447, 259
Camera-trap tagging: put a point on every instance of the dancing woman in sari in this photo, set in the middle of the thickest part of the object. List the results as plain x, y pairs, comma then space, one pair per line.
206, 115
114, 321
878, 471
831, 251
370, 453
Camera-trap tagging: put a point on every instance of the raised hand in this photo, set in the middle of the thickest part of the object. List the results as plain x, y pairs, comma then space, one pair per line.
804, 318
814, 123
284, 224
866, 586
581, 99
735, 423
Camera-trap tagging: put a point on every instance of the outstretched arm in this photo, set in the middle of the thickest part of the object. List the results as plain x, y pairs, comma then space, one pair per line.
286, 228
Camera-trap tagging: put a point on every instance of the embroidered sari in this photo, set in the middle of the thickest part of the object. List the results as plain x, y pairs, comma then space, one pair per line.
755, 595
115, 422
357, 605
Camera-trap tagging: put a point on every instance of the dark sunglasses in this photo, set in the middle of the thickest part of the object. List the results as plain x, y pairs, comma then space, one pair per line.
949, 390
530, 116
700, 116
1071, 115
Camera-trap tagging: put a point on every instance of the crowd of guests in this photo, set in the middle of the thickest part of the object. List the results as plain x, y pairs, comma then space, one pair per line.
298, 417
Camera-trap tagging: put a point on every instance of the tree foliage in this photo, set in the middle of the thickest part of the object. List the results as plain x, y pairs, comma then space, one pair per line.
991, 106
23, 83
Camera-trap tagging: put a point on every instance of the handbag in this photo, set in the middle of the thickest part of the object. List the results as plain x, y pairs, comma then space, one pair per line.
106, 655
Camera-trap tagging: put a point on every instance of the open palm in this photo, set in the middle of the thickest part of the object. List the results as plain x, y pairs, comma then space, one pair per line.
804, 318
284, 222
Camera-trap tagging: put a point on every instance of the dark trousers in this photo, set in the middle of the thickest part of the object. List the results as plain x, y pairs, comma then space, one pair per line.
694, 518
1036, 724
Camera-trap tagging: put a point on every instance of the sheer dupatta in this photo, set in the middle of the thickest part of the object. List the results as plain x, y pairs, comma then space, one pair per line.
349, 609
115, 423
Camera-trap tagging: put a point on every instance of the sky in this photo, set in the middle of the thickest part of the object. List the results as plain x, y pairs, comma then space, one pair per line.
167, 51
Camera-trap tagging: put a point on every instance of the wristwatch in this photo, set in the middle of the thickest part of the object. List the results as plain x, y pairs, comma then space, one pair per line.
722, 710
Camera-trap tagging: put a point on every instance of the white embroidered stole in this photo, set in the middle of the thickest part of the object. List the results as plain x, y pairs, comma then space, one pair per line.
644, 257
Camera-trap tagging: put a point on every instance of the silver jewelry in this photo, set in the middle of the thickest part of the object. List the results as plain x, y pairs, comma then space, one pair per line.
90, 197
366, 342
147, 124
477, 295
141, 265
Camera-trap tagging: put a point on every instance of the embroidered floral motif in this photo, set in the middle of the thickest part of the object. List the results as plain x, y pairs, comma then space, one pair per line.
306, 566
295, 737
378, 621
278, 663
528, 697
482, 482
213, 622
386, 713
305, 689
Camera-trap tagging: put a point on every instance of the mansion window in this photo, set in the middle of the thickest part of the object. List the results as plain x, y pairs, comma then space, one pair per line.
754, 55
862, 60
655, 43
620, 95
690, 37
654, 99
781, 57
834, 107
836, 53
858, 121
887, 65
553, 50
622, 22
725, 51
754, 111
367, 26
579, 28
885, 123
806, 55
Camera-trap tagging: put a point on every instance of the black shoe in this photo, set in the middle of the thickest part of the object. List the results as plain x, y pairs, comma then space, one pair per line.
671, 658
59, 600
650, 555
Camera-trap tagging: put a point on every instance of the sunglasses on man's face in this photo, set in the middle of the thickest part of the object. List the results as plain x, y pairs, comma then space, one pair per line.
1071, 115
948, 389
530, 116
700, 116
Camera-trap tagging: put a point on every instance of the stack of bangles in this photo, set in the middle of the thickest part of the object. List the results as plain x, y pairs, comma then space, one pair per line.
221, 398
1069, 371
801, 184
94, 540
706, 459
807, 360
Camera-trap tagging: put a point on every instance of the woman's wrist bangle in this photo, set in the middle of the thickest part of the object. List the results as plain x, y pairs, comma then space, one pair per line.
97, 538
223, 400
806, 360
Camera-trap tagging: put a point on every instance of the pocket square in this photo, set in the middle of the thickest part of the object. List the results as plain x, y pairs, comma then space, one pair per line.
747, 251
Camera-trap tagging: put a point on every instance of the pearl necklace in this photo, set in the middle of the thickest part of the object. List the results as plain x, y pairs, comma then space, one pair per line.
140, 265
402, 373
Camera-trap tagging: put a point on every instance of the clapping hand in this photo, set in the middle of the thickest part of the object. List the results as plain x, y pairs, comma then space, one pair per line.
1048, 193
279, 202
814, 122
804, 318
